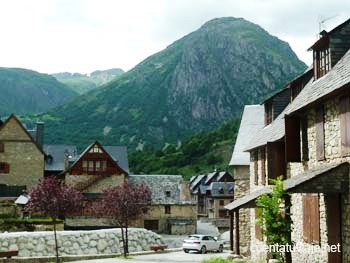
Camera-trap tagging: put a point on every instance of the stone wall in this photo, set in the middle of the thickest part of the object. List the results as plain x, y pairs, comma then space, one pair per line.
241, 176
332, 155
107, 241
23, 156
99, 186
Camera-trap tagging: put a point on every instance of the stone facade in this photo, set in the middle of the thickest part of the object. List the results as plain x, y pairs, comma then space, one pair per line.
38, 244
332, 155
97, 187
25, 160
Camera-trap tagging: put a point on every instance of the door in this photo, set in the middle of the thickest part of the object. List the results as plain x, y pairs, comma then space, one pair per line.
333, 209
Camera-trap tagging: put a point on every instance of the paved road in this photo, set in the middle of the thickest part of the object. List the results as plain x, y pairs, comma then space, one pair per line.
172, 257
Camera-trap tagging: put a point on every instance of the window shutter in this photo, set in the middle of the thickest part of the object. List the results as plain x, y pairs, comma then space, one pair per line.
304, 138
344, 108
306, 218
315, 223
292, 131
263, 166
256, 174
320, 134
276, 165
2, 147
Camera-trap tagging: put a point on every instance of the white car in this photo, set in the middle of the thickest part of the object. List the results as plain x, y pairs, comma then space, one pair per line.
202, 244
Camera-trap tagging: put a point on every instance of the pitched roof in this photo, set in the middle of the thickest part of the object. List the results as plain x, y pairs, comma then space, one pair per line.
196, 182
12, 116
210, 177
54, 160
159, 185
252, 121
334, 80
120, 155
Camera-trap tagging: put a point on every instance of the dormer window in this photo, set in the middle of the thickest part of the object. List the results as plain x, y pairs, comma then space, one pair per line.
268, 112
322, 62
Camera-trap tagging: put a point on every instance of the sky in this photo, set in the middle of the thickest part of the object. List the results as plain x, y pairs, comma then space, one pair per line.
52, 36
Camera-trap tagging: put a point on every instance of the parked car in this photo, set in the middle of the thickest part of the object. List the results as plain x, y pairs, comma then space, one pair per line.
202, 244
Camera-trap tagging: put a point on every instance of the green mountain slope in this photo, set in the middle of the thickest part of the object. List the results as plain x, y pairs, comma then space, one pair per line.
25, 91
82, 83
201, 153
195, 84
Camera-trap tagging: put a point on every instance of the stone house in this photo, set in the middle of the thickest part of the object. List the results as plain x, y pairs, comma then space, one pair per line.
251, 122
212, 192
100, 167
307, 143
21, 158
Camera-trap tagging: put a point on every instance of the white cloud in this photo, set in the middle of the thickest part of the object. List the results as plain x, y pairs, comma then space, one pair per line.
85, 35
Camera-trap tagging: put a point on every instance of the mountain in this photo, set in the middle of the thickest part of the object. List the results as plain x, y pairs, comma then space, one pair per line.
82, 83
25, 91
201, 153
195, 84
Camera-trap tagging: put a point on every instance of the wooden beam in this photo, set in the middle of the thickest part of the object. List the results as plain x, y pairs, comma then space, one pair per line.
231, 230
237, 232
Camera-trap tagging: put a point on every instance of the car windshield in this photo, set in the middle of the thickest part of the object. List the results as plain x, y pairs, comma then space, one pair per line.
193, 237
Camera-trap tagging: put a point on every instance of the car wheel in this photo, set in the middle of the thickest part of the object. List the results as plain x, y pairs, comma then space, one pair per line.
221, 249
203, 250
186, 250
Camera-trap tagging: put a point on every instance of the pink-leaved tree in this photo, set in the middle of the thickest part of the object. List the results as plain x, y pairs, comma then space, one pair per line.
52, 197
124, 203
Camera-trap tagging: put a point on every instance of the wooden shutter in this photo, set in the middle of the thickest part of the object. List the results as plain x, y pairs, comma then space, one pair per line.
258, 228
306, 218
311, 218
304, 138
256, 174
263, 166
276, 161
2, 147
344, 108
292, 131
315, 219
320, 134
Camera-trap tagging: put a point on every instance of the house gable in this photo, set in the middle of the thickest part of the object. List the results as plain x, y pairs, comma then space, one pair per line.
95, 160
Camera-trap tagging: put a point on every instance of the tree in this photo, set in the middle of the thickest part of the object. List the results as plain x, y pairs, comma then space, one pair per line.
124, 203
55, 199
274, 217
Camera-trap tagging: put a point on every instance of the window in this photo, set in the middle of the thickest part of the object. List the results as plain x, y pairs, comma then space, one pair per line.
321, 62
95, 149
85, 165
222, 202
292, 138
256, 174
2, 147
344, 117
320, 134
98, 166
4, 168
91, 166
167, 193
311, 218
104, 165
268, 113
167, 209
263, 168
151, 225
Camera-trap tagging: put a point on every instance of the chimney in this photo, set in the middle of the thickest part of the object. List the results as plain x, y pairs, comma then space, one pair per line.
40, 134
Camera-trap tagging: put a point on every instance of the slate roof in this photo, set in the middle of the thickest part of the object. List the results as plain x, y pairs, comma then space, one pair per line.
252, 121
159, 185
120, 155
210, 176
196, 182
335, 79
56, 151
288, 185
219, 189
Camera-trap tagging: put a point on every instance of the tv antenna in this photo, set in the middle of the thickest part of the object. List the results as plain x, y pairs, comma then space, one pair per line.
322, 20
